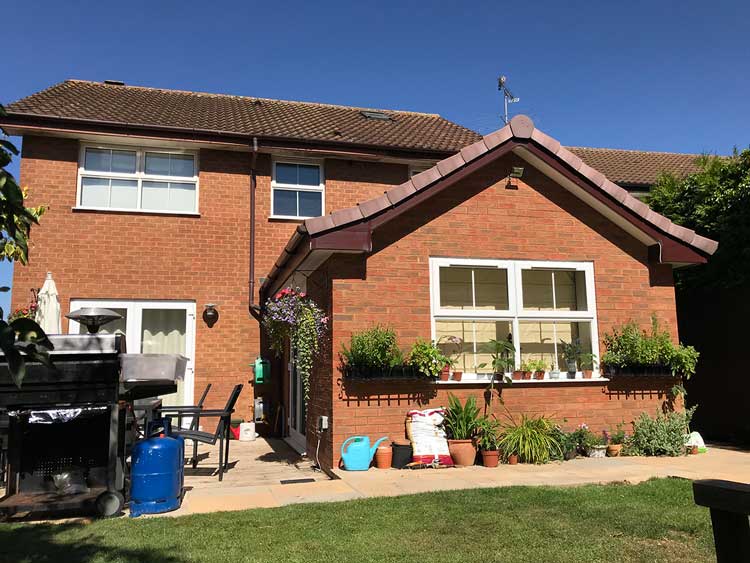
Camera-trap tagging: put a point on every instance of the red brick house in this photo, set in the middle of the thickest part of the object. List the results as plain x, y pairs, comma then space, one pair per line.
164, 201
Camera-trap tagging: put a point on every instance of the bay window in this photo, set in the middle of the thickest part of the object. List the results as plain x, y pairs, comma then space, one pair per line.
138, 179
534, 304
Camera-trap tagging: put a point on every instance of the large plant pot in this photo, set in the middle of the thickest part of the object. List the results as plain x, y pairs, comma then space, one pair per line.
613, 450
490, 458
463, 452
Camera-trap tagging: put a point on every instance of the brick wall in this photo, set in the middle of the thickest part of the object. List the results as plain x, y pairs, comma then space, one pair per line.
105, 255
479, 218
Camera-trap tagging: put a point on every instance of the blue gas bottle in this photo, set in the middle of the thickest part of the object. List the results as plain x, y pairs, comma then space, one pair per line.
157, 474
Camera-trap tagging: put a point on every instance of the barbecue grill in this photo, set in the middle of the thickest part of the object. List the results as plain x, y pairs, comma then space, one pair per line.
67, 445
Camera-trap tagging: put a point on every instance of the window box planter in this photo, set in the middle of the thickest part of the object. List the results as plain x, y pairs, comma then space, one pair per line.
373, 374
639, 371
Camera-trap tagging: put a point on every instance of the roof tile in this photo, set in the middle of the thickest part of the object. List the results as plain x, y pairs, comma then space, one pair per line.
450, 164
474, 151
401, 192
424, 179
522, 126
373, 206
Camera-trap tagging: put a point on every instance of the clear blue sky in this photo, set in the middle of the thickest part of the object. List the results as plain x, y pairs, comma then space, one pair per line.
655, 75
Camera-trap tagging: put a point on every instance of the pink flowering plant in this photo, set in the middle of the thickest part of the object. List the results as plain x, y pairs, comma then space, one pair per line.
291, 316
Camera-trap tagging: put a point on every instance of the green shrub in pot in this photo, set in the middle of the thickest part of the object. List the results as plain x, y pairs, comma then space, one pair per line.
531, 439
426, 358
371, 353
631, 349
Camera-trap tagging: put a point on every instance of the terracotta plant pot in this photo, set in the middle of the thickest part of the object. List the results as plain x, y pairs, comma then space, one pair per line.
513, 459
490, 458
587, 373
457, 375
463, 452
526, 375
445, 374
693, 450
538, 375
383, 457
518, 374
613, 450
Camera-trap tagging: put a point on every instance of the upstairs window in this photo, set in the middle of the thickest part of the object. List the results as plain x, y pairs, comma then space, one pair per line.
297, 190
135, 179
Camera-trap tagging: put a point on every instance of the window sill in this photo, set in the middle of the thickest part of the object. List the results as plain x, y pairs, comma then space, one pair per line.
524, 381
135, 211
287, 218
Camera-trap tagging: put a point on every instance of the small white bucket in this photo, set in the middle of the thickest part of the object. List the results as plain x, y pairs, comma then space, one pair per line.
247, 432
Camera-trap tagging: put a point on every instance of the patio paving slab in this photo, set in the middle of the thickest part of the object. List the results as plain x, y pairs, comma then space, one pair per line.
238, 492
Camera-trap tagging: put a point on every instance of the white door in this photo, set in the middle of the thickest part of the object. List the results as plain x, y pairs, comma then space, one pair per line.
297, 414
152, 327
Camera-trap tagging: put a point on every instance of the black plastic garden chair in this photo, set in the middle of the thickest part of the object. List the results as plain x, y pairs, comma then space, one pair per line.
220, 435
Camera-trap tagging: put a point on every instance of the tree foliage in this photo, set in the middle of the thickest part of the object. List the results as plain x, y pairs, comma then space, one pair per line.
22, 339
715, 202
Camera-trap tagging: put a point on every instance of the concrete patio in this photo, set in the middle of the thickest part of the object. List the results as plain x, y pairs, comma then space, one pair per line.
256, 481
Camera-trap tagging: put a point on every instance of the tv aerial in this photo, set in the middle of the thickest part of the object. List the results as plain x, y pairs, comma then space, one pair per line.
508, 97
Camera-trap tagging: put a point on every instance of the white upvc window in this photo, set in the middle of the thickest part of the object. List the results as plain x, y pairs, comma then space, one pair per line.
123, 178
297, 189
535, 304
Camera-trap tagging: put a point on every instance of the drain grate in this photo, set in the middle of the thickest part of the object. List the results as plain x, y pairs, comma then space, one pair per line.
295, 481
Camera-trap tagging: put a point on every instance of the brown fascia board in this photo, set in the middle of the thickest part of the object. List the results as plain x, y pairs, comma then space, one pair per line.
350, 228
92, 126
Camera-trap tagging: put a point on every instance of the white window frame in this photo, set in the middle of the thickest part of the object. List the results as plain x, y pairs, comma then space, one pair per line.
516, 313
321, 188
139, 176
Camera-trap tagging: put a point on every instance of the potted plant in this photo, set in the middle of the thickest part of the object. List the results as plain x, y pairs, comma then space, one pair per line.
525, 370
531, 439
503, 357
594, 444
633, 351
571, 351
537, 367
461, 423
372, 353
615, 440
426, 358
451, 347
587, 362
489, 441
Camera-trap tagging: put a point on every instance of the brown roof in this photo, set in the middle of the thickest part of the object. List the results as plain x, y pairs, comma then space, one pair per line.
134, 106
521, 133
636, 168
241, 115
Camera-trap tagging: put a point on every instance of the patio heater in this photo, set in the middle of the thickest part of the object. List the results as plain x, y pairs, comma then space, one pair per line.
93, 318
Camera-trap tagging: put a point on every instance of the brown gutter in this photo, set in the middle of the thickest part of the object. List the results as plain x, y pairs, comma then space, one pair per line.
63, 124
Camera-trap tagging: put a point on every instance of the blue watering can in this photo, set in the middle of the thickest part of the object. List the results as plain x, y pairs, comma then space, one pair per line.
359, 454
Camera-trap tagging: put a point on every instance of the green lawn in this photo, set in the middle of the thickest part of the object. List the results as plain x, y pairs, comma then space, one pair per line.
653, 521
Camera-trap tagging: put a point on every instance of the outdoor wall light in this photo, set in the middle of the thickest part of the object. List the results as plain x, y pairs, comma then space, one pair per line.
515, 173
210, 315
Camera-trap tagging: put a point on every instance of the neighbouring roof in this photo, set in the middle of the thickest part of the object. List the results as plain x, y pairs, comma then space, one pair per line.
519, 133
241, 115
636, 168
